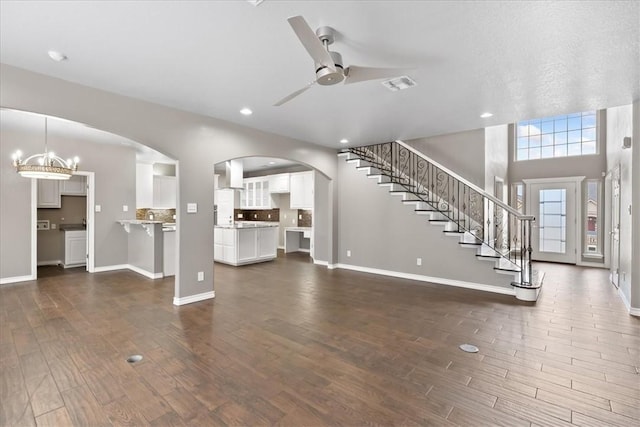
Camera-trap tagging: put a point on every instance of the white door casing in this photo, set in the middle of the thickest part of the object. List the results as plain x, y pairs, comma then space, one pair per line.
556, 206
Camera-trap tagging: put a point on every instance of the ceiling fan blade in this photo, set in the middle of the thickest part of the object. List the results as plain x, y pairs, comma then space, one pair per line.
356, 74
293, 95
311, 42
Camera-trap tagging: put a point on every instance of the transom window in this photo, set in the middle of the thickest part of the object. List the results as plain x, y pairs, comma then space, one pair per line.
557, 136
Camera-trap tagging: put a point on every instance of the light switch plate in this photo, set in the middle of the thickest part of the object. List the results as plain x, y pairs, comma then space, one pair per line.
98, 208
192, 207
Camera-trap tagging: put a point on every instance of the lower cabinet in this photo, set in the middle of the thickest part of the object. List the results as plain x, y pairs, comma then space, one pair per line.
169, 253
245, 245
75, 248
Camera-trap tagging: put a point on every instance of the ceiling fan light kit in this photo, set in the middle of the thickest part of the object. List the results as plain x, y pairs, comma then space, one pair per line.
329, 66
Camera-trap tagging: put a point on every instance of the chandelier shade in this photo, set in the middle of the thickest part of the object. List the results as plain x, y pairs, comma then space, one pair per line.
44, 165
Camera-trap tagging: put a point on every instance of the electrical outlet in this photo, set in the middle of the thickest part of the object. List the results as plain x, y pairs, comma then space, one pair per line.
125, 208
255, 216
419, 261
98, 208
293, 221
240, 216
54, 226
200, 276
348, 253
300, 216
269, 216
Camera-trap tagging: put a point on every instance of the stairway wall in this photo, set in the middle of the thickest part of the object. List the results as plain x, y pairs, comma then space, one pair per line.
383, 233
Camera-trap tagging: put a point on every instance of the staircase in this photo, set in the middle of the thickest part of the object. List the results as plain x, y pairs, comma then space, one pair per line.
497, 232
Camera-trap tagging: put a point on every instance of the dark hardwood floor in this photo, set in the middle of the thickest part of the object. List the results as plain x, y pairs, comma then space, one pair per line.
290, 343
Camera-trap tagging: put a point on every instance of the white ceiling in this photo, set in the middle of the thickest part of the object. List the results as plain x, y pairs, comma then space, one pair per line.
516, 59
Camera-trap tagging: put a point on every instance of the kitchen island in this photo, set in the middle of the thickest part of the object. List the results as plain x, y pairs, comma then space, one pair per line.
245, 243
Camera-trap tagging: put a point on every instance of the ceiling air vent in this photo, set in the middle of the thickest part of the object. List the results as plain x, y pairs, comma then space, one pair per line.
399, 83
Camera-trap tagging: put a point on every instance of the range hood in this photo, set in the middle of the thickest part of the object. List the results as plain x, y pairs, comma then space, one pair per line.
234, 174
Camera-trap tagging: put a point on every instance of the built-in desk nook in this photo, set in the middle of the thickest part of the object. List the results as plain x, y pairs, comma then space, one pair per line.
297, 239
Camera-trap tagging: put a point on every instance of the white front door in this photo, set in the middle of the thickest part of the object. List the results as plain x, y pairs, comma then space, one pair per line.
553, 235
615, 228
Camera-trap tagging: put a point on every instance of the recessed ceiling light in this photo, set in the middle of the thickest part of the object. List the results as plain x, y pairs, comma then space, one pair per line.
255, 2
246, 111
344, 141
486, 115
57, 56
272, 163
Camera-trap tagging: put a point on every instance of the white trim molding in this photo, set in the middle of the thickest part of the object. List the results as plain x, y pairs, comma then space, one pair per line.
110, 268
435, 280
145, 273
194, 298
324, 263
634, 311
52, 262
16, 279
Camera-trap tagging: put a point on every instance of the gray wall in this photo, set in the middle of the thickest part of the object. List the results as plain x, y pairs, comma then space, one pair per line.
114, 187
462, 152
619, 125
146, 252
496, 158
383, 233
196, 141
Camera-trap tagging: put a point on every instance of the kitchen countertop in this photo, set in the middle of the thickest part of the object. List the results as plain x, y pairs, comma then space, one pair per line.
72, 227
139, 221
301, 229
249, 225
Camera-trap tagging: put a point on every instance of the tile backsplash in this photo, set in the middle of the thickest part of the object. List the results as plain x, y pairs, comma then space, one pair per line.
164, 215
304, 218
269, 215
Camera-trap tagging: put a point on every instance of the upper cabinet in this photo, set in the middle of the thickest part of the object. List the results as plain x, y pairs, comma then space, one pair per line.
256, 194
74, 186
164, 192
48, 193
144, 185
301, 189
279, 183
154, 191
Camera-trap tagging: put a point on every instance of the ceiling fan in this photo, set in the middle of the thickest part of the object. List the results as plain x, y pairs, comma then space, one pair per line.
328, 64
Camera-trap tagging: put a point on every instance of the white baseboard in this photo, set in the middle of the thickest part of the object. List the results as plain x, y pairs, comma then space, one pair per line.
145, 273
111, 268
133, 268
52, 262
194, 298
632, 310
436, 280
16, 279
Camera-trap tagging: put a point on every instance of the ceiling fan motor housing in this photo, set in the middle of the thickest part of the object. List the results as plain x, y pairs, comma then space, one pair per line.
326, 77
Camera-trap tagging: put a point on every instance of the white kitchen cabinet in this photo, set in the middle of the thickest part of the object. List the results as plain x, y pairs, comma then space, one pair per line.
279, 183
169, 253
245, 245
301, 189
48, 193
164, 192
74, 186
256, 194
226, 204
75, 248
144, 185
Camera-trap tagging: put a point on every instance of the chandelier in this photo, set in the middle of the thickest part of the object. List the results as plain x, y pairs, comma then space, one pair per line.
45, 165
